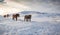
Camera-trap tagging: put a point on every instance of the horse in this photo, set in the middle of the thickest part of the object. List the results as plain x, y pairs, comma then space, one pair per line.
7, 15
15, 16
4, 16
27, 17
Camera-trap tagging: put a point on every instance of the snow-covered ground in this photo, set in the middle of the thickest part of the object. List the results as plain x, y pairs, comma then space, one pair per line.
41, 24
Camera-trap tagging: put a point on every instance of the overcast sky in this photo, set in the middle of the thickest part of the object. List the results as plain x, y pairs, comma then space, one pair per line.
12, 6
42, 5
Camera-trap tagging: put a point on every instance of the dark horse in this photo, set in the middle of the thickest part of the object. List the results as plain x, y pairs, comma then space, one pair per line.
15, 16
27, 18
6, 16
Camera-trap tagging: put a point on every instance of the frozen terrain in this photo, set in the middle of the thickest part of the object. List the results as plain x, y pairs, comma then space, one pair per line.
41, 24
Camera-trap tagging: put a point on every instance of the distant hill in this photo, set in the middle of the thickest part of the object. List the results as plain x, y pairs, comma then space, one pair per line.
32, 12
44, 14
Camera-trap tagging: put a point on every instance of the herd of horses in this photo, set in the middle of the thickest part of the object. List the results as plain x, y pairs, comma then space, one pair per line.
15, 17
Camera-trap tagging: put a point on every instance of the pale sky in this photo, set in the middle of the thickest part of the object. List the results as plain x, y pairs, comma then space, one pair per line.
14, 6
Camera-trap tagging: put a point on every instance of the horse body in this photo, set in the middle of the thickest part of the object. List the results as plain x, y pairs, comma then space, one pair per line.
27, 18
15, 16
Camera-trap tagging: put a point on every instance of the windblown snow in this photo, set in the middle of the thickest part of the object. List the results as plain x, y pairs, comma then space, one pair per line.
41, 24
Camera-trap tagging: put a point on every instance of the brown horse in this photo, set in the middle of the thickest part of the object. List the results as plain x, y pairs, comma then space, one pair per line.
27, 18
7, 15
4, 16
15, 16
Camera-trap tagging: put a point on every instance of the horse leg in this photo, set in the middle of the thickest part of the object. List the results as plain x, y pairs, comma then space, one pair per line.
30, 20
13, 18
16, 18
27, 20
